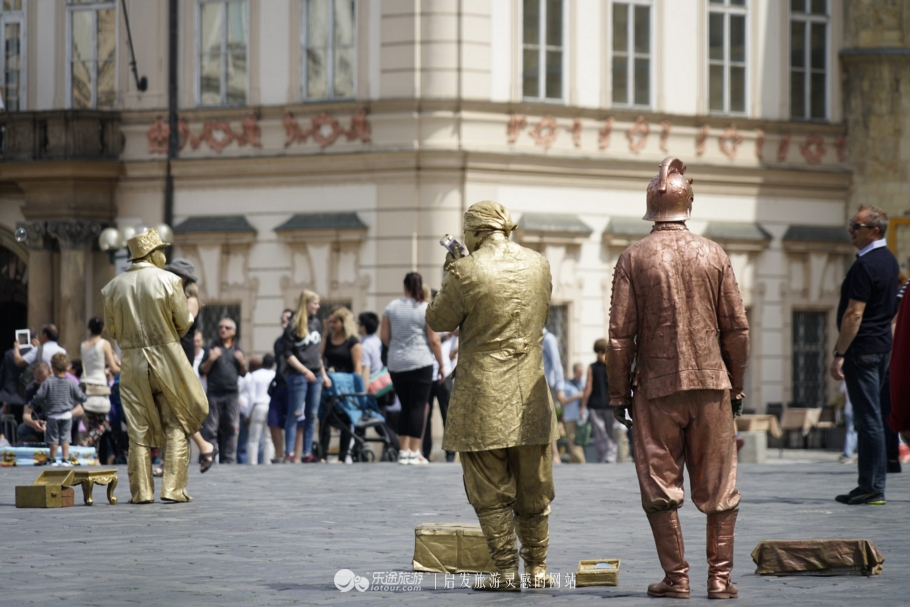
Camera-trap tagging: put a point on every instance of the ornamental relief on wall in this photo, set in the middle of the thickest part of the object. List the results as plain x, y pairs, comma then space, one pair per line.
217, 135
546, 131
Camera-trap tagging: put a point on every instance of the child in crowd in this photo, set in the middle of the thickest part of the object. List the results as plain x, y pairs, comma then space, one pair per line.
59, 396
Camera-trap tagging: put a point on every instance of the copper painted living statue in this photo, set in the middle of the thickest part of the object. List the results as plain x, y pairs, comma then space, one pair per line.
145, 310
678, 316
501, 417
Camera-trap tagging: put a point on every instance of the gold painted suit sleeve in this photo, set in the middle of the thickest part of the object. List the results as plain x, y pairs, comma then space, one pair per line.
623, 332
447, 310
734, 329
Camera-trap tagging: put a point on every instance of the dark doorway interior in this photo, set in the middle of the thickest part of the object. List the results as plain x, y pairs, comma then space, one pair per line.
13, 297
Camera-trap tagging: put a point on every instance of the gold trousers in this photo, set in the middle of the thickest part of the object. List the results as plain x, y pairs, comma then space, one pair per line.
176, 459
694, 429
512, 485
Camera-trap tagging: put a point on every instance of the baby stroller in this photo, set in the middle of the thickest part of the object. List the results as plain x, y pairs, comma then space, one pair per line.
347, 407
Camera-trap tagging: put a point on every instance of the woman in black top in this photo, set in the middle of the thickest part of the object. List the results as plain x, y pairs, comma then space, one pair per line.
342, 353
305, 377
342, 350
597, 401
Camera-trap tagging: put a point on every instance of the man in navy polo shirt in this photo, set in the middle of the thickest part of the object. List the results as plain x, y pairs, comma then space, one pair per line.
863, 350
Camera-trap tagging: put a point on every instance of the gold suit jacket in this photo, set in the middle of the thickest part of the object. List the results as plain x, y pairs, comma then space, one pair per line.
500, 297
145, 311
678, 315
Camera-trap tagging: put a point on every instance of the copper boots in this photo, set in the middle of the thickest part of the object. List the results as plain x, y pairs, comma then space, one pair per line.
669, 540
534, 535
499, 530
720, 554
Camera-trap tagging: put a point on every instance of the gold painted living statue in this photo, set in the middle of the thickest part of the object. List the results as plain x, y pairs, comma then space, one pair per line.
678, 316
501, 417
145, 310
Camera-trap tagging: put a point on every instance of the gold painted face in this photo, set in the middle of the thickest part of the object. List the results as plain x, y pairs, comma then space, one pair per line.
158, 258
471, 241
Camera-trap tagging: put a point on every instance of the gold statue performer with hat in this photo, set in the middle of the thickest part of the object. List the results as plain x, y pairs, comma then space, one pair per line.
678, 316
145, 310
501, 417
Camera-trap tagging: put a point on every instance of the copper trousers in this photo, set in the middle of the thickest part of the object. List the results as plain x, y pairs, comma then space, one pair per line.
694, 429
176, 459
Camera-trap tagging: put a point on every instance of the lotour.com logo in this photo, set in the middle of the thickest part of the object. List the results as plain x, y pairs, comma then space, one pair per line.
346, 579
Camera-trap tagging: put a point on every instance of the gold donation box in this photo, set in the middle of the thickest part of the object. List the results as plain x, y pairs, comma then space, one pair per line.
50, 490
597, 572
451, 548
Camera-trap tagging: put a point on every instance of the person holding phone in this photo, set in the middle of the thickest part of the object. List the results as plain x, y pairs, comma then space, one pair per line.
501, 418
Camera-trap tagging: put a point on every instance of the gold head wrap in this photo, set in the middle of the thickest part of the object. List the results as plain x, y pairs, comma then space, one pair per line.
488, 215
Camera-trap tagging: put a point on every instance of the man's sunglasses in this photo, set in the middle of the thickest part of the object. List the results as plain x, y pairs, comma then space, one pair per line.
225, 327
855, 226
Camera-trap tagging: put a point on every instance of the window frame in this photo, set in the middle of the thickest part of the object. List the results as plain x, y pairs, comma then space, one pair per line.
197, 84
330, 62
808, 19
726, 9
93, 7
631, 55
542, 49
21, 18
820, 349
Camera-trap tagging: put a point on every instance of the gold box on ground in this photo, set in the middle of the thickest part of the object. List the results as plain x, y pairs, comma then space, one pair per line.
597, 572
451, 548
44, 496
64, 478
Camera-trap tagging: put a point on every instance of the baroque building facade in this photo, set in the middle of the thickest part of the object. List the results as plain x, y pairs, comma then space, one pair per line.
329, 144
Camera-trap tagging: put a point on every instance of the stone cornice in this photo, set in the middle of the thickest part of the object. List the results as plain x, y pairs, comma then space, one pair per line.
73, 234
819, 182
36, 236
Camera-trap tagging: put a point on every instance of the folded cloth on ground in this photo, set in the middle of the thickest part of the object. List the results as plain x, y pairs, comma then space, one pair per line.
817, 557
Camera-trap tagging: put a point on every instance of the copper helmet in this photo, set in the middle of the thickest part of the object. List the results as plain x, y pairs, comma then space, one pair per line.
670, 194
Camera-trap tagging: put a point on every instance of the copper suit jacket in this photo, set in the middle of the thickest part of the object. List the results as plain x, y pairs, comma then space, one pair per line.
145, 311
500, 297
678, 315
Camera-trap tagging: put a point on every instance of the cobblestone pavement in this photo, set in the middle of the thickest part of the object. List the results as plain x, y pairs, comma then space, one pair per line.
277, 535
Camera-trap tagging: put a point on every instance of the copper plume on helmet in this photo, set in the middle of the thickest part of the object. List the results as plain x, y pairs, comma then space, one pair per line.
670, 194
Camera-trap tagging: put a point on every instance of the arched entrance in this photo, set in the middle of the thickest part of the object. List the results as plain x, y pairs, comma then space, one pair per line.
13, 297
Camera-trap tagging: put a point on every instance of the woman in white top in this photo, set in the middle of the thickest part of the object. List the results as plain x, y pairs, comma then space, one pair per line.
412, 346
97, 354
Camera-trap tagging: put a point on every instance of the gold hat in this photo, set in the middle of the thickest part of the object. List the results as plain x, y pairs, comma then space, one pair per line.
142, 244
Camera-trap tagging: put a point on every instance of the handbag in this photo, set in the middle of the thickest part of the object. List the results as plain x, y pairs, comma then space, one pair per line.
380, 383
96, 390
583, 430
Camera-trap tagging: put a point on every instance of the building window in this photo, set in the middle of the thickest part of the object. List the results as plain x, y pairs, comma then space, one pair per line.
223, 31
808, 59
727, 56
542, 50
328, 39
92, 49
12, 41
809, 349
632, 53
